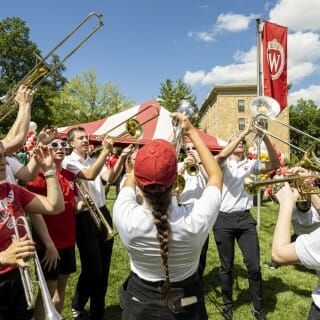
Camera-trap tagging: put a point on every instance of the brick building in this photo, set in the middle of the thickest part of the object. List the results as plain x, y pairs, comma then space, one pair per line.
227, 108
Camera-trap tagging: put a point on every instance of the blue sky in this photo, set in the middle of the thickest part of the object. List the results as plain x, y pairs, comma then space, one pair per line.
205, 43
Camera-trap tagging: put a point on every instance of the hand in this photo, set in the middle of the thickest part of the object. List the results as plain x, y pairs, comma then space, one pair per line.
127, 150
107, 144
189, 160
50, 258
248, 129
19, 252
44, 157
184, 122
287, 194
47, 134
24, 95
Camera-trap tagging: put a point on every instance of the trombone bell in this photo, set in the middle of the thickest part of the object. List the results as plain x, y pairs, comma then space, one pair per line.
265, 105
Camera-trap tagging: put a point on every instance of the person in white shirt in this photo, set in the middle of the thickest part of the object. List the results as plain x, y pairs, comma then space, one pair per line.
306, 248
235, 221
164, 240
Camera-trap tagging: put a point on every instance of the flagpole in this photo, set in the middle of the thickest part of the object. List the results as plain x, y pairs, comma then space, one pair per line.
258, 140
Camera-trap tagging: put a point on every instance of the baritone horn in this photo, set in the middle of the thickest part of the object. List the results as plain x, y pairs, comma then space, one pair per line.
50, 311
132, 127
95, 212
41, 71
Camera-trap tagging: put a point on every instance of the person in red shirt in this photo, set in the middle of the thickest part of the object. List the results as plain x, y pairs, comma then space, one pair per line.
14, 201
55, 235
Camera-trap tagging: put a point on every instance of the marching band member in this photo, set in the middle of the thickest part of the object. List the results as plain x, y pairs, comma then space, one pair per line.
55, 235
235, 221
14, 200
304, 249
95, 251
164, 240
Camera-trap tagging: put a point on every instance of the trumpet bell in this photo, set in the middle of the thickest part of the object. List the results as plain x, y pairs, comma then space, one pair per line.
265, 105
179, 185
134, 129
310, 160
192, 169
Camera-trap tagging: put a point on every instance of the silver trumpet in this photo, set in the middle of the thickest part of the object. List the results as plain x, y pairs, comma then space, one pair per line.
94, 210
50, 311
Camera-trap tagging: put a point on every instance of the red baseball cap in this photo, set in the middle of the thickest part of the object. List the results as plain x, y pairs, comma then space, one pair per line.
156, 165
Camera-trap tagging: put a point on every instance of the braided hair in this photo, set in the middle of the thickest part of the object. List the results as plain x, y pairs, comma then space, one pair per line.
159, 203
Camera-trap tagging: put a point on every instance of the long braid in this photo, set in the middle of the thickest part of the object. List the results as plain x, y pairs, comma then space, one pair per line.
159, 203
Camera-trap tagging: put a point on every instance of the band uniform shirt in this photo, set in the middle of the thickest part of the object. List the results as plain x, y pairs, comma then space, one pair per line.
61, 227
189, 226
75, 164
19, 197
234, 197
194, 186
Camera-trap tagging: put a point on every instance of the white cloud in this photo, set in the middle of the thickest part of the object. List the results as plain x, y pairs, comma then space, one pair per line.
297, 14
233, 22
312, 92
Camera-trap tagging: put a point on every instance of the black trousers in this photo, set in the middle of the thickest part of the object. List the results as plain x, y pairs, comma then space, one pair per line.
142, 300
240, 226
95, 256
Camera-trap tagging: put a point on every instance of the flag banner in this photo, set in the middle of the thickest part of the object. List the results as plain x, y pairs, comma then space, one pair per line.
274, 58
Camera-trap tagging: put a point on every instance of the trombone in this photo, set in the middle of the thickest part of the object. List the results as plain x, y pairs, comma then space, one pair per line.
42, 71
266, 108
50, 311
132, 127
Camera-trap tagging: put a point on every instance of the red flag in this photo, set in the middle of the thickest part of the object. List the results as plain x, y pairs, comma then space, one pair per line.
274, 57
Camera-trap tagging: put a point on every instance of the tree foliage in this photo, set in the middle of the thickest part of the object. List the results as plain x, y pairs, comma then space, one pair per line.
82, 100
305, 116
18, 56
171, 94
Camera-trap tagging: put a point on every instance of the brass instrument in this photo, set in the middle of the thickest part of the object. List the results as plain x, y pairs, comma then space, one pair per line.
190, 110
50, 311
252, 184
94, 210
132, 127
41, 71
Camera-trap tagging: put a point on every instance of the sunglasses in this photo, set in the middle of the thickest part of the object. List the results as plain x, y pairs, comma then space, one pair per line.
55, 145
190, 148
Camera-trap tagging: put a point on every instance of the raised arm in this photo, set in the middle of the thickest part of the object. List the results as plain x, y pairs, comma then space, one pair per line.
209, 162
15, 138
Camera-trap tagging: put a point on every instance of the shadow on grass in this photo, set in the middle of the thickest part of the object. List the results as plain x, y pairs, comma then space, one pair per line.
113, 312
272, 286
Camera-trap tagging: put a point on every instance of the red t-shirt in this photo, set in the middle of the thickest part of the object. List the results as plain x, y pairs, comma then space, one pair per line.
112, 160
61, 227
18, 197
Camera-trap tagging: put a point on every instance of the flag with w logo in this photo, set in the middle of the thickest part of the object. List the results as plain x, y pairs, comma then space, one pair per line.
274, 58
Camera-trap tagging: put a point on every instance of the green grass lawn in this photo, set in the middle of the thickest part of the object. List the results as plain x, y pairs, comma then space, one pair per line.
287, 290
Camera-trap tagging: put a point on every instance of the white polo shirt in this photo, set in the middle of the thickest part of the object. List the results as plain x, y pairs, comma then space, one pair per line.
75, 164
189, 226
234, 197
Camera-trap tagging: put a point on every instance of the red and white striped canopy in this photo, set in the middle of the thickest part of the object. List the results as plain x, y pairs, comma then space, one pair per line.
160, 127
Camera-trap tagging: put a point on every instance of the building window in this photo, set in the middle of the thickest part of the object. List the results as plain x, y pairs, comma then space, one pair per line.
242, 123
240, 105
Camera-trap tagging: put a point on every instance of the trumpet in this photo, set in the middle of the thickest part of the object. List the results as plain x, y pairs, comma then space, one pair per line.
50, 311
41, 70
94, 210
252, 184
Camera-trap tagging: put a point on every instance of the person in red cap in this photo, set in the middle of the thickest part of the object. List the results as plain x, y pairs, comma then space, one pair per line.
164, 240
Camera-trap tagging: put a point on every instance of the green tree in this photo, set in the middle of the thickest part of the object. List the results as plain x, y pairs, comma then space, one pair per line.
18, 56
305, 116
83, 99
171, 94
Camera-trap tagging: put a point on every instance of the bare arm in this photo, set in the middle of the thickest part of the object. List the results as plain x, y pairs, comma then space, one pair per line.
28, 172
283, 250
232, 145
273, 162
53, 203
15, 138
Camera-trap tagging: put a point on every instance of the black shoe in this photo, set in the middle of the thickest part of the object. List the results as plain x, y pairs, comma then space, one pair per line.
227, 312
272, 265
80, 314
259, 314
